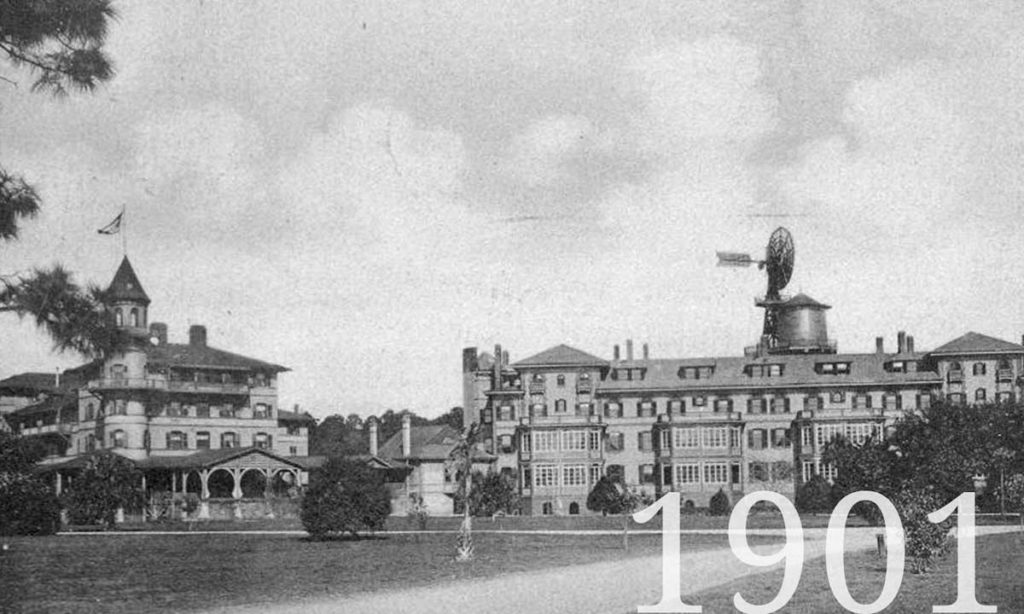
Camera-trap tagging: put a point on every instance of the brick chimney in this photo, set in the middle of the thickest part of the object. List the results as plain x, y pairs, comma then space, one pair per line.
197, 335
880, 345
910, 344
616, 355
901, 342
647, 351
406, 435
629, 349
158, 330
373, 436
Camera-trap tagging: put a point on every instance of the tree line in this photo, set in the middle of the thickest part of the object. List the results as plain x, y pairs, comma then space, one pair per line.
338, 435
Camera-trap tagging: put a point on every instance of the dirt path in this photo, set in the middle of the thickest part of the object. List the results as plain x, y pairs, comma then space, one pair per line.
609, 587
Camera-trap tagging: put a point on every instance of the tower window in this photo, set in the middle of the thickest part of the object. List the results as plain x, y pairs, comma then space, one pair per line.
118, 317
135, 318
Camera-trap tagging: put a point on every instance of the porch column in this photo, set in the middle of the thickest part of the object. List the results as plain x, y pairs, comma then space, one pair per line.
204, 475
59, 485
145, 506
237, 491
174, 482
270, 473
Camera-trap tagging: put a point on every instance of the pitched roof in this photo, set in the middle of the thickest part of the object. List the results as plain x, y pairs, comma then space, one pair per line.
126, 285
433, 442
798, 370
561, 355
187, 355
52, 404
976, 343
292, 416
32, 383
802, 300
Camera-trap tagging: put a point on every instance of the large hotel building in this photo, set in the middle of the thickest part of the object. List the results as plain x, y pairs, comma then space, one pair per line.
561, 419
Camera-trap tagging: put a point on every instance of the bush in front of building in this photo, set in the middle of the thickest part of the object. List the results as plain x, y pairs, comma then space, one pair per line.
924, 540
108, 483
491, 493
344, 497
28, 505
815, 496
719, 504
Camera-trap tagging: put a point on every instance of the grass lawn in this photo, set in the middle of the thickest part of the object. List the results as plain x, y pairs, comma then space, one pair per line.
1000, 582
141, 573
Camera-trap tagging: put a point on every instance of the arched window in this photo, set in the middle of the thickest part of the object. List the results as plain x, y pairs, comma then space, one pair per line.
955, 366
978, 368
980, 394
90, 411
1004, 363
560, 406
560, 380
117, 439
229, 440
574, 509
118, 317
134, 318
176, 440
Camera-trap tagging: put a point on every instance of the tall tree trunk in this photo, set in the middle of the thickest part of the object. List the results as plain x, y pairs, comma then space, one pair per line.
464, 544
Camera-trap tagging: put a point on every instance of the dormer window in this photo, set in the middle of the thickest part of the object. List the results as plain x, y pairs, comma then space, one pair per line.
773, 370
896, 366
833, 368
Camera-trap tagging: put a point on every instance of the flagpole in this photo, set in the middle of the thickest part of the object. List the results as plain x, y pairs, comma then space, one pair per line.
124, 231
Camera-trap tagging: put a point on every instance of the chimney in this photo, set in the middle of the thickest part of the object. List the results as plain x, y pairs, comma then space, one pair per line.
497, 367
629, 349
880, 345
504, 359
197, 336
158, 330
901, 342
469, 360
406, 435
616, 356
647, 352
910, 344
56, 379
373, 436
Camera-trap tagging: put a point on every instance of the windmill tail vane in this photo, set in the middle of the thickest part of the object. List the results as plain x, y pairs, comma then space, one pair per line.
734, 259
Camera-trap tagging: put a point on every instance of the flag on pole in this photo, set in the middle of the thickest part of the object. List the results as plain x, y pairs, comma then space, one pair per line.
734, 259
113, 227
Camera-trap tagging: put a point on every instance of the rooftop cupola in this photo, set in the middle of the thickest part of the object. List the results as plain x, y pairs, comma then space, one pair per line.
127, 298
801, 326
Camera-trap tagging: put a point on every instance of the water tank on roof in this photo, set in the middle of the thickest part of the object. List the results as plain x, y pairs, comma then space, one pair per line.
801, 325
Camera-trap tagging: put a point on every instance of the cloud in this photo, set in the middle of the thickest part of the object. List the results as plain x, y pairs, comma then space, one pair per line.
540, 154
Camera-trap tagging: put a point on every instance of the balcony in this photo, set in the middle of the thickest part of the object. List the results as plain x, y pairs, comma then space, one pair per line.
63, 429
585, 386
125, 383
955, 376
1004, 375
207, 387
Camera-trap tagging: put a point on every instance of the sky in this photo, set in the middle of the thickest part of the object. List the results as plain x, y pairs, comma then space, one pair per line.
359, 190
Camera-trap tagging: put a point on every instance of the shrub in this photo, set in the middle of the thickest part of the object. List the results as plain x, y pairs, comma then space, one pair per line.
27, 505
344, 497
491, 493
720, 504
109, 482
814, 496
607, 497
418, 510
924, 540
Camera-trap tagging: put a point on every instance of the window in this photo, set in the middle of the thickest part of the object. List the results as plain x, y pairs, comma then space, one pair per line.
716, 437
545, 441
574, 509
723, 406
547, 508
485, 416
202, 410
574, 475
538, 409
646, 474
176, 440
676, 407
203, 440
612, 409
644, 441
688, 473
117, 439
505, 444
584, 408
978, 368
897, 366
560, 406
90, 442
957, 398
524, 442
227, 411
615, 442
716, 473
837, 396
826, 433
135, 318
757, 439
806, 437
229, 440
685, 437
119, 407
583, 378
924, 400
773, 370
780, 438
594, 474
756, 405
862, 401
645, 408
262, 411
812, 402
574, 440
90, 411
858, 433
263, 441
699, 401
594, 440
891, 401
118, 317
780, 405
506, 412
293, 451
809, 470
118, 371
833, 368
828, 472
758, 472
980, 394
560, 380
1004, 397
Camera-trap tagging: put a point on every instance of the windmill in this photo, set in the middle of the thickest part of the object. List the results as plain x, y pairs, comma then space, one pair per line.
778, 262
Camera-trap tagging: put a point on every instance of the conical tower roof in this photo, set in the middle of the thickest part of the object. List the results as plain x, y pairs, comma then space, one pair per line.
126, 285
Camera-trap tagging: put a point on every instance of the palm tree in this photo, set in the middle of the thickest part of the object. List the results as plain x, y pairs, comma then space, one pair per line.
460, 465
75, 318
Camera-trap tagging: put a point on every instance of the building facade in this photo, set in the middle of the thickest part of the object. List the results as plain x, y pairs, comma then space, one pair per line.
563, 418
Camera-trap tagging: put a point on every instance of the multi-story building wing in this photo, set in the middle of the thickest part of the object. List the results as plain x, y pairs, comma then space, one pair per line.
563, 418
